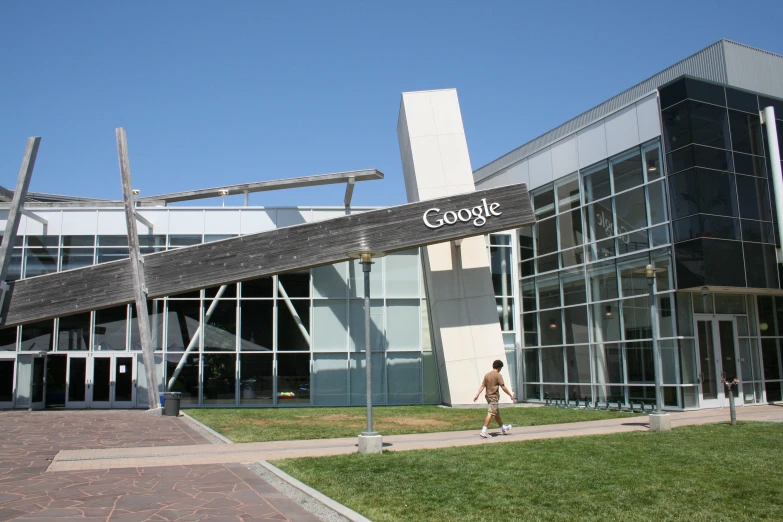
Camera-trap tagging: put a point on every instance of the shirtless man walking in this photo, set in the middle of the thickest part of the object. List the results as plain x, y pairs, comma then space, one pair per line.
493, 382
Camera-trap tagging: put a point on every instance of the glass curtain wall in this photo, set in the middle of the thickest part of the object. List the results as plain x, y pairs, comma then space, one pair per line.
586, 322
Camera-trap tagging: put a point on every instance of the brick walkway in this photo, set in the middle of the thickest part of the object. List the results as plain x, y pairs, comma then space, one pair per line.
30, 440
255, 451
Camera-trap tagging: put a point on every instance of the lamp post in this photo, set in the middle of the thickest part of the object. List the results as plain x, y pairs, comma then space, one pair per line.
659, 421
370, 441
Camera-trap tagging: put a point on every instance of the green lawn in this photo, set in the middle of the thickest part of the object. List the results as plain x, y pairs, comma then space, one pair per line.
700, 473
266, 424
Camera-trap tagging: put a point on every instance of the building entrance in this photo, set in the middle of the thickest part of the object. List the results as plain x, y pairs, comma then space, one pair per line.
101, 381
7, 367
718, 359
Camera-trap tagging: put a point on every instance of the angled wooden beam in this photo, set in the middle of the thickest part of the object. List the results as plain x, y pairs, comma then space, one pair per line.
272, 252
15, 212
261, 186
34, 217
349, 191
137, 272
5, 194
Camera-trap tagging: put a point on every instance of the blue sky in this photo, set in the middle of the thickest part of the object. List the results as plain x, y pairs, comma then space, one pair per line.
215, 93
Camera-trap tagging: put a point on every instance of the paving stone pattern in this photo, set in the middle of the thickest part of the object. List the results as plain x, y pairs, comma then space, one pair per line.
30, 440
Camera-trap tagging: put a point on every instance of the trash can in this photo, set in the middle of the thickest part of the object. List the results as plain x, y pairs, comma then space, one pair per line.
171, 403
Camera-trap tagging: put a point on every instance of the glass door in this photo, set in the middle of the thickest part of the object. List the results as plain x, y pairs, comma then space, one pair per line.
113, 381
7, 369
718, 359
76, 383
38, 383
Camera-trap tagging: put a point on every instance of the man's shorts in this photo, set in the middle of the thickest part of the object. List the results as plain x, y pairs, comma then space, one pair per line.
493, 404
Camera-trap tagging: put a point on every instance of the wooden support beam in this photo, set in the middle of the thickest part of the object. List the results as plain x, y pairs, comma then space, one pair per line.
261, 186
34, 217
144, 221
272, 252
15, 212
137, 272
349, 191
5, 194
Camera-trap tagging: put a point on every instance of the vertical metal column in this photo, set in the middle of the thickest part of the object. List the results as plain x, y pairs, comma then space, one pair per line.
773, 148
366, 261
15, 212
657, 364
137, 270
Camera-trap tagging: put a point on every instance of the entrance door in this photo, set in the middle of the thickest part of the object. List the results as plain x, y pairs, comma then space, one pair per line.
77, 387
7, 368
718, 359
113, 381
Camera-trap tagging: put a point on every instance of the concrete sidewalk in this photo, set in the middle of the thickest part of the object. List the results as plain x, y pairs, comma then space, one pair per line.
93, 459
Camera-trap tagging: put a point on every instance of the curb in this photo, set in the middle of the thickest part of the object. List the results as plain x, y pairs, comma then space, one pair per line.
201, 426
348, 513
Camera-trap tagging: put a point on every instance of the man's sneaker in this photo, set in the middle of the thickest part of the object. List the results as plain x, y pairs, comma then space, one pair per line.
484, 435
505, 429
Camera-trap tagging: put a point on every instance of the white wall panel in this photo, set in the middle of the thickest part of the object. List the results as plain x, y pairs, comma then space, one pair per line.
252, 221
158, 218
426, 156
186, 221
540, 165
112, 223
648, 118
622, 131
321, 214
564, 157
519, 173
80, 222
448, 120
591, 144
292, 216
33, 227
418, 113
221, 221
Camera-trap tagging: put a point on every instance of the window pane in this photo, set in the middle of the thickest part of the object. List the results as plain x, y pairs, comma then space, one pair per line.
528, 291
708, 92
757, 231
220, 378
632, 277
229, 293
359, 379
570, 229
532, 373
575, 325
568, 195
500, 259
753, 195
574, 291
296, 284
256, 325
546, 237
155, 312
293, 378
220, 330
551, 328
40, 261
683, 187
578, 363
255, 378
746, 133
76, 258
431, 386
74, 332
506, 314
78, 241
603, 281
659, 236
184, 240
676, 126
627, 172
330, 378
183, 323
699, 156
632, 242
552, 365
356, 324
705, 226
293, 330
599, 220
640, 362
402, 330
110, 328
609, 364
673, 93
548, 291
572, 257
602, 250
530, 329
8, 339
596, 182
113, 241
544, 204
187, 382
38, 336
606, 322
631, 211
263, 287
761, 268
106, 255
636, 318
402, 273
716, 193
330, 325
709, 125
547, 263
652, 163
750, 165
332, 280
404, 374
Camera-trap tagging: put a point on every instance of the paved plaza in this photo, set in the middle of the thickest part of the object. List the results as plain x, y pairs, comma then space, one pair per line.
29, 442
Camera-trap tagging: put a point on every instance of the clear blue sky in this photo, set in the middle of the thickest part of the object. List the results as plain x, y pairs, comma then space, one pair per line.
215, 93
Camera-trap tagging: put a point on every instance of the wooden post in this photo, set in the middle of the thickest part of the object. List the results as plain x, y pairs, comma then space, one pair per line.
15, 212
137, 272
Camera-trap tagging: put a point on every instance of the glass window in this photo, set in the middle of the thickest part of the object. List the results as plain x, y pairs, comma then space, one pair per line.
706, 226
631, 211
708, 92
609, 365
532, 372
570, 229
37, 337
575, 325
293, 378
699, 156
676, 126
500, 259
356, 324
78, 241
76, 258
709, 125
552, 365
761, 268
330, 325
506, 314
578, 364
544, 204
627, 172
549, 291
526, 251
187, 381
74, 332
551, 327
184, 240
639, 357
599, 217
220, 330
528, 291
757, 231
431, 385
753, 196
568, 194
574, 291
15, 266
602, 250
330, 378
358, 375
656, 197
229, 293
530, 329
296, 284
547, 263
183, 323
255, 378
105, 255
546, 237
673, 93
632, 242
596, 182
402, 331
741, 100
155, 312
659, 236
263, 287
746, 133
632, 277
636, 318
723, 263
404, 376
750, 165
293, 326
603, 281
113, 241
652, 163
573, 257
8, 340
402, 272
220, 378
40, 261
257, 324
770, 359
684, 194
111, 328
606, 321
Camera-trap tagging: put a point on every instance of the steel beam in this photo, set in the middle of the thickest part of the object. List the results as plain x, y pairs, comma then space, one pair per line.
349, 191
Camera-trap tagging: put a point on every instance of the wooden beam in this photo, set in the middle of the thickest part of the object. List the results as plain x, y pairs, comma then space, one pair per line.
34, 217
349, 191
261, 186
137, 272
5, 194
266, 253
15, 212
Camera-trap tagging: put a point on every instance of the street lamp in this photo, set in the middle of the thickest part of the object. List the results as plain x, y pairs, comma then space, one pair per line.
369, 441
658, 421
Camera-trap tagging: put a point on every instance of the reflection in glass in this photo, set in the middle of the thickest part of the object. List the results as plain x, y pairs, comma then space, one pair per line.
636, 318
631, 211
753, 195
627, 172
570, 229
548, 291
219, 378
330, 379
40, 261
546, 237
8, 340
74, 332
530, 329
568, 194
255, 378
599, 218
293, 327
544, 204
551, 328
639, 357
578, 364
37, 336
596, 181
404, 375
187, 382
575, 325
603, 281
76, 258
110, 328
500, 261
293, 378
574, 289
183, 323
606, 321
221, 327
552, 365
746, 133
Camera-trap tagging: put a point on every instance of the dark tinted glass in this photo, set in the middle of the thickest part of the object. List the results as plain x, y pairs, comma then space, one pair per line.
777, 104
760, 265
652, 164
683, 191
698, 156
703, 91
599, 220
701, 225
229, 293
673, 93
743, 101
753, 198
78, 240
596, 181
689, 259
570, 229
708, 125
632, 242
676, 126
716, 193
723, 264
603, 249
296, 284
546, 237
630, 210
627, 173
758, 231
751, 165
547, 263
746, 133
544, 204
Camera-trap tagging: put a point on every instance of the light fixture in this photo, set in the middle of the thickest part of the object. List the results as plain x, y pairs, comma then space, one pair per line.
705, 291
763, 327
552, 324
608, 311
651, 166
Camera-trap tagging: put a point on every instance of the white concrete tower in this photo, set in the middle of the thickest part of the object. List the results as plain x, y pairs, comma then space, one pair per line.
460, 295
